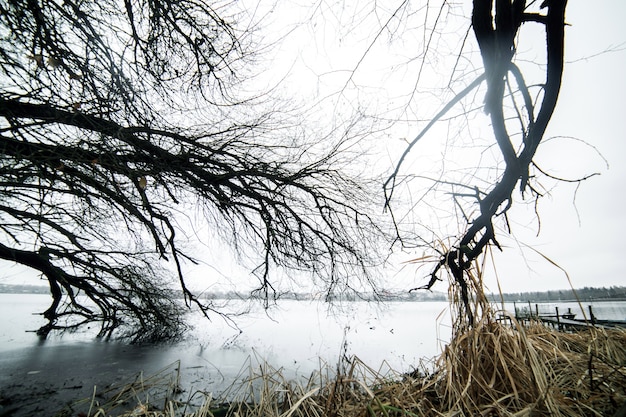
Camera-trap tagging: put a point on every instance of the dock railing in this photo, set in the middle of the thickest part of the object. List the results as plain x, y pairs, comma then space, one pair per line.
566, 321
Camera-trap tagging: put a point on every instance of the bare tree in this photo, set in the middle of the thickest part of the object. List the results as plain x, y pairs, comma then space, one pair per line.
512, 106
117, 117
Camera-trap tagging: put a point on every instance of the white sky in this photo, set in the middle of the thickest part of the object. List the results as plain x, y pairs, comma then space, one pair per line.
586, 238
319, 47
583, 237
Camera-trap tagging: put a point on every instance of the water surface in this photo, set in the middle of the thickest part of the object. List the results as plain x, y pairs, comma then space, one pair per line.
297, 337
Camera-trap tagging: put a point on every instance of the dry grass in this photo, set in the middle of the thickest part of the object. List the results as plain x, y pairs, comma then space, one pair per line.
143, 396
490, 369
493, 369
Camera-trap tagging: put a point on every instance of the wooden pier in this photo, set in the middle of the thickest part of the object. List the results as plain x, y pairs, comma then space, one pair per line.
566, 321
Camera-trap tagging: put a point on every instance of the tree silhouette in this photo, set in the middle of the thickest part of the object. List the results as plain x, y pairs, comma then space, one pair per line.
512, 106
116, 119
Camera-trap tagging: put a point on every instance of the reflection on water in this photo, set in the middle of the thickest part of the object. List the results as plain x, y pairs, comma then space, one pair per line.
293, 335
295, 331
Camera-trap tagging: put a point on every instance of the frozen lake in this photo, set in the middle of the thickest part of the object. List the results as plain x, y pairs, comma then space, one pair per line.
293, 332
297, 336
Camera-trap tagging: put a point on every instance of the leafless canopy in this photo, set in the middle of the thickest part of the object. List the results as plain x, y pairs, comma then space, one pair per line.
115, 117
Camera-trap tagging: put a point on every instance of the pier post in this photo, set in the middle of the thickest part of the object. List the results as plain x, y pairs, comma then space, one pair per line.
591, 316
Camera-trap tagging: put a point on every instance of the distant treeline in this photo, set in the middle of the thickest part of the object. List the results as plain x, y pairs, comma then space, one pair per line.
381, 296
287, 295
23, 289
583, 294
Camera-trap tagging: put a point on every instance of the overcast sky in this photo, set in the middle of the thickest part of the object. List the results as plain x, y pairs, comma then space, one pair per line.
335, 58
584, 238
339, 47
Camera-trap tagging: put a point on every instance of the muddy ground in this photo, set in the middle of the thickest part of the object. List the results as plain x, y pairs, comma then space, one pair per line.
46, 380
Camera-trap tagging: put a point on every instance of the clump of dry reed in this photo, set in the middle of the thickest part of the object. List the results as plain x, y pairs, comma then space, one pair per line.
497, 367
494, 369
